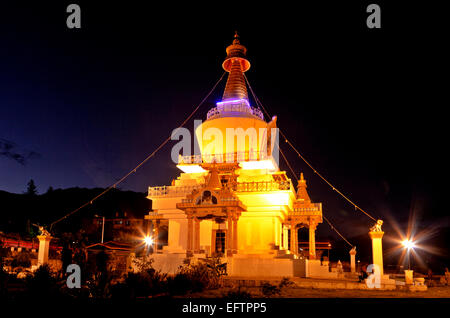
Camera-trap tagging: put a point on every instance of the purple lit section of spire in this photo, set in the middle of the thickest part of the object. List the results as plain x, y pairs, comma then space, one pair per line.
234, 108
234, 101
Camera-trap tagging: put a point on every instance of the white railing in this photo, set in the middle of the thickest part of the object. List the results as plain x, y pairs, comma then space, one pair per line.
238, 107
262, 186
231, 157
315, 208
171, 191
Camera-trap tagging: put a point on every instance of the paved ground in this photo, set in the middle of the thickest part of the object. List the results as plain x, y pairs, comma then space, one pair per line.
432, 292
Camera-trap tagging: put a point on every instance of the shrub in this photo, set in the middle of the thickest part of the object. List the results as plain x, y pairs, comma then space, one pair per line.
196, 277
286, 283
237, 294
41, 283
23, 259
146, 282
269, 290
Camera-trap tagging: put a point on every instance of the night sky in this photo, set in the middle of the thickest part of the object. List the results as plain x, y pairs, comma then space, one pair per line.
80, 108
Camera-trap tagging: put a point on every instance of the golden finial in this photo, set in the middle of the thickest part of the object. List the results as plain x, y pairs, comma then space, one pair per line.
302, 194
236, 38
236, 64
301, 177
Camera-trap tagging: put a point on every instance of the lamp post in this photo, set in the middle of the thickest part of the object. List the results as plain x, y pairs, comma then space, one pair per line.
408, 244
103, 225
148, 240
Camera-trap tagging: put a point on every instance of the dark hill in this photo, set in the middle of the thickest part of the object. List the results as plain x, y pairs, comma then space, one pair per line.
19, 211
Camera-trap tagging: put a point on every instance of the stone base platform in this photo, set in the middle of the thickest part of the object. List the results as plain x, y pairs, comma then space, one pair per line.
242, 265
316, 283
252, 265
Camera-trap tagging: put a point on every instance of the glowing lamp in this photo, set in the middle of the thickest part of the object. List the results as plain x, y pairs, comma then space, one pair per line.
408, 244
148, 240
191, 168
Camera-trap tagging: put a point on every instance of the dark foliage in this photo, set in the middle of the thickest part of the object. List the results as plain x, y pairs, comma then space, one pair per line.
31, 188
42, 284
269, 290
23, 259
237, 294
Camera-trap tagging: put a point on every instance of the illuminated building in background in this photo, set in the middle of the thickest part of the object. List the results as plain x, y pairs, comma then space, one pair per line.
232, 200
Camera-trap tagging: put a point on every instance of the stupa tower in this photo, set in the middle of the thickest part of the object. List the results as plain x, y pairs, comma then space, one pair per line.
236, 64
233, 112
232, 200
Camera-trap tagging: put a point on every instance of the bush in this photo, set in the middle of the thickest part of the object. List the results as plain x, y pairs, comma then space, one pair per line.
146, 282
23, 259
286, 283
237, 294
269, 290
197, 277
42, 283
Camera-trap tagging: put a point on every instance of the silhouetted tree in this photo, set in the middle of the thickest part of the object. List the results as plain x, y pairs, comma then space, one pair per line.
31, 189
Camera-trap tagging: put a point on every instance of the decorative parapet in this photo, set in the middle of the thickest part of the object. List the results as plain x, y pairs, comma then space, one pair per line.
262, 186
232, 157
231, 108
172, 191
309, 210
186, 203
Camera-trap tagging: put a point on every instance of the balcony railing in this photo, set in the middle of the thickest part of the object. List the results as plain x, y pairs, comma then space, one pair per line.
225, 157
313, 209
261, 186
226, 199
171, 191
238, 107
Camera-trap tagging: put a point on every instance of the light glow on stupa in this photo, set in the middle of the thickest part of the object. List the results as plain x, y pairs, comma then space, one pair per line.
232, 200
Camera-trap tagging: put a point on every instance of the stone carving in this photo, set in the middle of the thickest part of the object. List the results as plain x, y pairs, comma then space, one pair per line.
377, 226
42, 230
207, 198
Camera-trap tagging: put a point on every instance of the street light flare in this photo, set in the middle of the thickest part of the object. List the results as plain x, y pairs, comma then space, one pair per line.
408, 244
148, 240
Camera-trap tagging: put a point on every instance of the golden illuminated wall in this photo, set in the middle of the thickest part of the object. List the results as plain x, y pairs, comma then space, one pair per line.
260, 227
211, 144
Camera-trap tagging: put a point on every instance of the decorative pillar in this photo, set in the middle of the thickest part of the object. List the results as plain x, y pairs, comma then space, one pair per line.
409, 277
352, 259
197, 236
44, 247
377, 249
229, 237
189, 235
294, 245
235, 232
312, 239
285, 237
155, 225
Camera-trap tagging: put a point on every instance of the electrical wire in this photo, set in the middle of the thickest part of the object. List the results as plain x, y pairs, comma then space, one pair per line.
142, 162
335, 229
258, 102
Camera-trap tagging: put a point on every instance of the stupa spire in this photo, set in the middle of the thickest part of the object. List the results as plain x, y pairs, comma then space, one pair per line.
302, 194
214, 180
236, 64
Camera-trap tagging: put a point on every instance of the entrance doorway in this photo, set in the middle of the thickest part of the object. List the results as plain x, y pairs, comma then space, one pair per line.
220, 242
